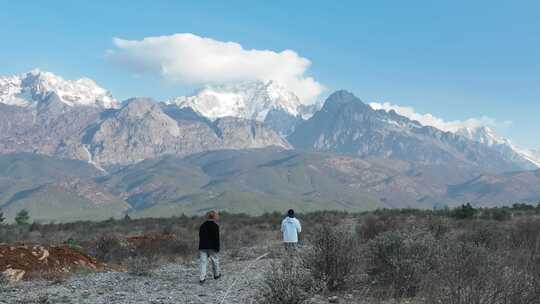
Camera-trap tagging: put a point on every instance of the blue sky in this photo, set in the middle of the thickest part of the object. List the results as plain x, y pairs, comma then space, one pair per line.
453, 59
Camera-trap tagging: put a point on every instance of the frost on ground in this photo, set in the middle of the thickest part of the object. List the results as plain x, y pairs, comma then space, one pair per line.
171, 283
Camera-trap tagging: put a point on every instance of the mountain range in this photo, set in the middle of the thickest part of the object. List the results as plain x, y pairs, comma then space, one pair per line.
267, 102
69, 150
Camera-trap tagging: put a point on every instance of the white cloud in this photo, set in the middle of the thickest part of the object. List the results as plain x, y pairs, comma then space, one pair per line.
439, 123
190, 59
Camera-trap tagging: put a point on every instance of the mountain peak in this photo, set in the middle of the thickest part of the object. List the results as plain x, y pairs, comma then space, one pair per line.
34, 87
249, 100
342, 96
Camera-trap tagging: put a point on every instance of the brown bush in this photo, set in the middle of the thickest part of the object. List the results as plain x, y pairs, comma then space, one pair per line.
439, 226
371, 226
333, 256
487, 234
526, 234
109, 249
398, 261
287, 282
141, 265
4, 282
467, 273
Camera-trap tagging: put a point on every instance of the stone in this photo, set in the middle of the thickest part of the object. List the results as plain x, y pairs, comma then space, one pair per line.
333, 299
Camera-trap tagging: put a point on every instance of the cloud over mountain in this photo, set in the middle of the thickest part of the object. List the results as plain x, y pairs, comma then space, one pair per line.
439, 123
186, 58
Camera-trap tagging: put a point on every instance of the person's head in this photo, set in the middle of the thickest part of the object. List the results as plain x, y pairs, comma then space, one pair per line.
212, 215
290, 213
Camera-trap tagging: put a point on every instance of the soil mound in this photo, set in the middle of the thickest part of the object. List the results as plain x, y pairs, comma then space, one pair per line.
19, 262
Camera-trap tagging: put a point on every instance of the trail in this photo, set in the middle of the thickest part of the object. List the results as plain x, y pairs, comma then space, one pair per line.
171, 283
241, 274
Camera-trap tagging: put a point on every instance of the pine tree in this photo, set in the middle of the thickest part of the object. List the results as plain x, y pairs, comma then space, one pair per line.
22, 217
466, 211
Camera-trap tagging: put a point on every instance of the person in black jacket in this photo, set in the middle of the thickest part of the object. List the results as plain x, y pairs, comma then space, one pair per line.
209, 246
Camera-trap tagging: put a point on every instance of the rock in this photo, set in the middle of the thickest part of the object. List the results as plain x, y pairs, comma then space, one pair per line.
333, 299
14, 275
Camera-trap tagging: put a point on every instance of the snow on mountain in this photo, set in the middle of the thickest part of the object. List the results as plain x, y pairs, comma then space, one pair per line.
488, 137
531, 155
307, 110
473, 129
483, 135
33, 87
250, 100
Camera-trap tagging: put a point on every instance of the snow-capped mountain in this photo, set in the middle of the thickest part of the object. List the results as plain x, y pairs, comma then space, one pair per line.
488, 137
249, 100
307, 110
472, 129
347, 125
29, 89
483, 135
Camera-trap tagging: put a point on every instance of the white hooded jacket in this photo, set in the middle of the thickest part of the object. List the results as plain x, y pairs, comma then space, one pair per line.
290, 227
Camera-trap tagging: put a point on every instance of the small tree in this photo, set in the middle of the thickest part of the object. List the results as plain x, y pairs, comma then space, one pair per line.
22, 217
466, 211
2, 218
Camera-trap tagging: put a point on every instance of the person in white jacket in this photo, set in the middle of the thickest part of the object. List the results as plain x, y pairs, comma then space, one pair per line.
290, 227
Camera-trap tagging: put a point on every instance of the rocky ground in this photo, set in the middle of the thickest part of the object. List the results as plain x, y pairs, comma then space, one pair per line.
171, 283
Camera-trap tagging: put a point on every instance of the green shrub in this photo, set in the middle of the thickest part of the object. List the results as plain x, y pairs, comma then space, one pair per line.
22, 217
501, 214
464, 212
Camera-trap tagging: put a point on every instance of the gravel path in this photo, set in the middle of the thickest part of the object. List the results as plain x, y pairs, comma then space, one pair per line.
172, 283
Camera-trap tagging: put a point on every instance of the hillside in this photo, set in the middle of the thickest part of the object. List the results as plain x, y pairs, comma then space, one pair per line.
254, 182
246, 181
54, 190
505, 189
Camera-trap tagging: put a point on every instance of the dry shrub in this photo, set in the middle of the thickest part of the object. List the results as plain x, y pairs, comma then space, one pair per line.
334, 256
467, 273
496, 214
158, 248
109, 249
398, 260
4, 282
54, 277
372, 225
238, 236
487, 234
439, 226
141, 265
525, 234
287, 282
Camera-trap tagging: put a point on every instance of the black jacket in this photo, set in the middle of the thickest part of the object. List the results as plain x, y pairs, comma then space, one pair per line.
209, 236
